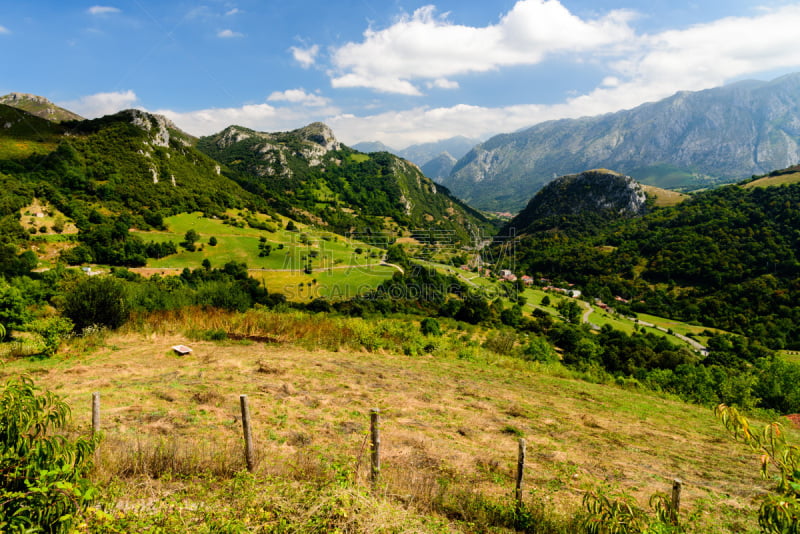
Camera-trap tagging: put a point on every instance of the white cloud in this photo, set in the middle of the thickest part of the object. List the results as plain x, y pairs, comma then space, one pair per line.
260, 117
209, 121
425, 46
102, 10
421, 125
442, 83
635, 69
101, 104
298, 96
233, 11
640, 69
305, 56
228, 34
3, 30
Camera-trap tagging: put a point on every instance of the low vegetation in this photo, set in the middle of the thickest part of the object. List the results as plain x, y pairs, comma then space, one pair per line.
171, 455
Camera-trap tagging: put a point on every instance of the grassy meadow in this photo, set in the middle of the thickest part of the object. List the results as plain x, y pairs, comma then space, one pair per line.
340, 268
452, 413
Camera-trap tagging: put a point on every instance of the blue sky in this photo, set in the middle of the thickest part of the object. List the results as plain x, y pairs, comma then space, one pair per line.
396, 71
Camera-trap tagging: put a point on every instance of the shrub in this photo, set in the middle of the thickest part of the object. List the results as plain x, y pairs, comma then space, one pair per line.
430, 327
97, 301
43, 484
53, 330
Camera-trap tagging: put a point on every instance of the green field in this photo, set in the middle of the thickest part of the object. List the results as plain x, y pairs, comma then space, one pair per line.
339, 268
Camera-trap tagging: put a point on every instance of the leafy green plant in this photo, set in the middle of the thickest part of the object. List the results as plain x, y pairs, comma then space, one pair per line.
43, 484
779, 511
616, 512
53, 331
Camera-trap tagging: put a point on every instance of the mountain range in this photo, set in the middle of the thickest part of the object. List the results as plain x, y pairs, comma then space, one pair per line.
689, 141
142, 166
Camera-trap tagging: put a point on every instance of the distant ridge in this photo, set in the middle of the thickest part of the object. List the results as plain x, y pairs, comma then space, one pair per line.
689, 141
39, 106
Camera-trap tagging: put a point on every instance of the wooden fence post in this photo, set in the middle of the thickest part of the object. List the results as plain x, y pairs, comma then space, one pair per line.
520, 471
675, 507
95, 413
248, 439
375, 432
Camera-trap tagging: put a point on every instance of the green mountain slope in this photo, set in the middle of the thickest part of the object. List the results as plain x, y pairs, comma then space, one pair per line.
39, 106
23, 134
132, 162
728, 258
600, 194
308, 175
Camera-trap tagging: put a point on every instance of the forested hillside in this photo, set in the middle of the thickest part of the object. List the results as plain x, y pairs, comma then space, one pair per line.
308, 175
728, 257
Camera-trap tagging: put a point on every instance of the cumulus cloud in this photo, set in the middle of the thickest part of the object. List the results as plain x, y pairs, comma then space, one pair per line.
298, 96
442, 83
261, 117
305, 56
643, 68
212, 120
426, 46
228, 34
102, 10
634, 69
100, 104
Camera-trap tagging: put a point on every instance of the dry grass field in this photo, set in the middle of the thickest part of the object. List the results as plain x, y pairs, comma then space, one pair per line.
172, 434
664, 197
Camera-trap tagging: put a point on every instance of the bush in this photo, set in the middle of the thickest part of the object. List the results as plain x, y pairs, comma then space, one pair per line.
97, 301
53, 331
430, 327
43, 484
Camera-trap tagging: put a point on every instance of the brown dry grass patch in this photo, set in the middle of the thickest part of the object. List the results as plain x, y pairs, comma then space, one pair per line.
447, 424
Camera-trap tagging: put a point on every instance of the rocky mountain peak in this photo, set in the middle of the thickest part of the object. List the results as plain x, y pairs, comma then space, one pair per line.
13, 98
157, 125
39, 106
597, 192
320, 134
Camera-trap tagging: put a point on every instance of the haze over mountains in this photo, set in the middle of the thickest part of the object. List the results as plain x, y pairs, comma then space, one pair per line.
435, 159
689, 141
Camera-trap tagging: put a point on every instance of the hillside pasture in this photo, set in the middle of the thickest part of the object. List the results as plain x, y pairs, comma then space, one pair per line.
774, 181
326, 264
449, 429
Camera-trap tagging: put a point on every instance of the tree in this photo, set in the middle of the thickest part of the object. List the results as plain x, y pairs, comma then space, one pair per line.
189, 240
44, 483
570, 310
13, 307
212, 241
98, 301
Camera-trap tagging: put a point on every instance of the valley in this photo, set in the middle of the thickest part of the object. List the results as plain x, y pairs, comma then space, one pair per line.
601, 324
